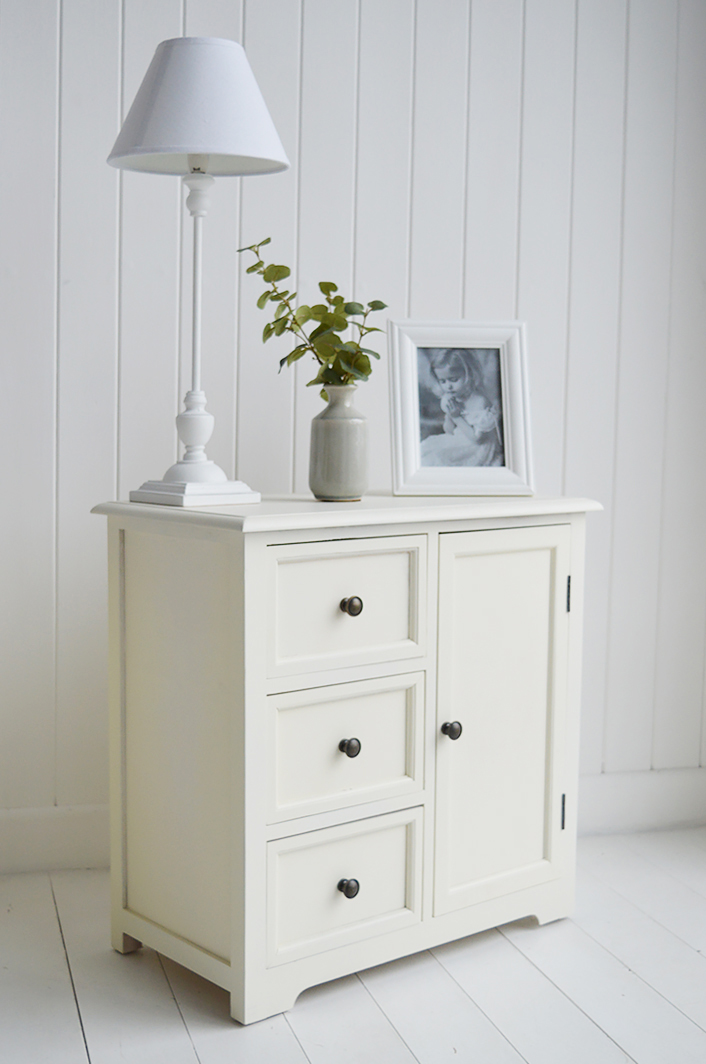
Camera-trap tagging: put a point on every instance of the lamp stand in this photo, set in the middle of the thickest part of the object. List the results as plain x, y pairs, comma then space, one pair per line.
195, 480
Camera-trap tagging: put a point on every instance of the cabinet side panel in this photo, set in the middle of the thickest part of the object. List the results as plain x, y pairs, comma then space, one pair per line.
179, 663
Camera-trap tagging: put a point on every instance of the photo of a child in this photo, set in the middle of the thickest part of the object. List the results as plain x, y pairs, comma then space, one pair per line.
460, 407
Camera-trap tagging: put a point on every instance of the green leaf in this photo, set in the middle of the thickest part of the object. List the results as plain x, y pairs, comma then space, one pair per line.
281, 309
354, 308
319, 312
369, 352
337, 300
295, 355
324, 395
276, 273
255, 268
267, 332
267, 240
263, 299
327, 287
375, 304
302, 314
280, 326
339, 322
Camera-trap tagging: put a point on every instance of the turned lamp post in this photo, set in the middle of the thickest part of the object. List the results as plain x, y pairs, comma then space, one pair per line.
198, 114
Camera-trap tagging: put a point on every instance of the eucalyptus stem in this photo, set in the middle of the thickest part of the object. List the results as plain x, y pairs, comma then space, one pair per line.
339, 361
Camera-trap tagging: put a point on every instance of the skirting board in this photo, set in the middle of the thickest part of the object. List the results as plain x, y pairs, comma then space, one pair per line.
36, 840
39, 840
642, 801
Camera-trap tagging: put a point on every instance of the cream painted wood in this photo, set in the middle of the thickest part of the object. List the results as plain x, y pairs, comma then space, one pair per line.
309, 771
307, 913
308, 582
177, 732
206, 868
503, 627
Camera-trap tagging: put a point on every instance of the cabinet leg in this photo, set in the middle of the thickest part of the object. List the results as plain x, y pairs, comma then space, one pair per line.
125, 943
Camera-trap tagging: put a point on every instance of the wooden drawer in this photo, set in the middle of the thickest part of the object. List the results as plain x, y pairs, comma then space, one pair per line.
309, 631
310, 773
308, 914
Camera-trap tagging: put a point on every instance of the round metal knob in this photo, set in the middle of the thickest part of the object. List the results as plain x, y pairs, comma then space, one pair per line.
452, 729
352, 606
349, 747
349, 887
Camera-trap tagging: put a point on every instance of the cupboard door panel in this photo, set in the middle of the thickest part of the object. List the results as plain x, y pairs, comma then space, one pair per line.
502, 674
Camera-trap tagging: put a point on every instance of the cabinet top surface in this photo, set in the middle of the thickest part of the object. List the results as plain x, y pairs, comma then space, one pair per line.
279, 513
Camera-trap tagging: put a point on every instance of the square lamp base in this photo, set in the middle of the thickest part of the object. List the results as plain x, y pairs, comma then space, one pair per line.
183, 493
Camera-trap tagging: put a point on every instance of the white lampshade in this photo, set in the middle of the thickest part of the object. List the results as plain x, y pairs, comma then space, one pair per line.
199, 97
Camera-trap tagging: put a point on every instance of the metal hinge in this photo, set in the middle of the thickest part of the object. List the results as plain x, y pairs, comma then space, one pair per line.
568, 594
563, 811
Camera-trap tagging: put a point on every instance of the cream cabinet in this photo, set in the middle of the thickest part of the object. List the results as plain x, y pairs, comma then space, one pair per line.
340, 733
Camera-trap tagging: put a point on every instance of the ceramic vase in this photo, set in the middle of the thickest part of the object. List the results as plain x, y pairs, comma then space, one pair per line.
338, 460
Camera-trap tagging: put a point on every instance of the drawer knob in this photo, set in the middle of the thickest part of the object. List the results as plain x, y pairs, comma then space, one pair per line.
349, 887
452, 729
349, 747
352, 606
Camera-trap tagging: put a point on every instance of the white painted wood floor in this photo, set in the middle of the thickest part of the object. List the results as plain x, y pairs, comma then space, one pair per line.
623, 980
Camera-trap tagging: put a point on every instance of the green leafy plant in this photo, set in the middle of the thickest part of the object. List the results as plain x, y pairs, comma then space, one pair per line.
340, 361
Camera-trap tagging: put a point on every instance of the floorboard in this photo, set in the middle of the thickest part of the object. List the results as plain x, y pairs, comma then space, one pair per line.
39, 1020
651, 888
646, 1027
217, 1039
434, 1015
127, 1006
548, 1028
622, 982
665, 962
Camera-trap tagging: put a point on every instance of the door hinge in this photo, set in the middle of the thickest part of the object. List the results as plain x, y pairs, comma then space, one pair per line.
563, 811
568, 594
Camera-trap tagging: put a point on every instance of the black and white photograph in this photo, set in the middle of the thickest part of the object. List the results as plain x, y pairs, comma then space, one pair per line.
460, 406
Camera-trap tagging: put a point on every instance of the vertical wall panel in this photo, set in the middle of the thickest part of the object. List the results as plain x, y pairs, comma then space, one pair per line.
682, 592
545, 202
327, 180
88, 209
214, 18
382, 199
649, 161
439, 160
272, 33
28, 111
149, 277
594, 323
494, 127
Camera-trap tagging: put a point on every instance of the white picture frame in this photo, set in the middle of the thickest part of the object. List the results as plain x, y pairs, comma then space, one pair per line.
477, 408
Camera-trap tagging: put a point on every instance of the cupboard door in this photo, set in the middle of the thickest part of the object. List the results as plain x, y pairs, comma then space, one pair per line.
503, 643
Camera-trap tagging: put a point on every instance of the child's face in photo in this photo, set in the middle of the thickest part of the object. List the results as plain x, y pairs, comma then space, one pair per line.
451, 379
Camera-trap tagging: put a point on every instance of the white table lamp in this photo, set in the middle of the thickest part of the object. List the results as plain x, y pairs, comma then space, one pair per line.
198, 112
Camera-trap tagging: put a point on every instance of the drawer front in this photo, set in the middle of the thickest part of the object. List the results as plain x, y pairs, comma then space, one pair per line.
308, 581
383, 722
308, 914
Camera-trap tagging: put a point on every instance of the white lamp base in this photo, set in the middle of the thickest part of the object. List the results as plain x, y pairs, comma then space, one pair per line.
194, 493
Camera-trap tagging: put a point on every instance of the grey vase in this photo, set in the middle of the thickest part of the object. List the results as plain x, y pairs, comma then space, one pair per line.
338, 460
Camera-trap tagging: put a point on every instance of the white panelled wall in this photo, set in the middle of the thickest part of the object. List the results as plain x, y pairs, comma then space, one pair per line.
488, 159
